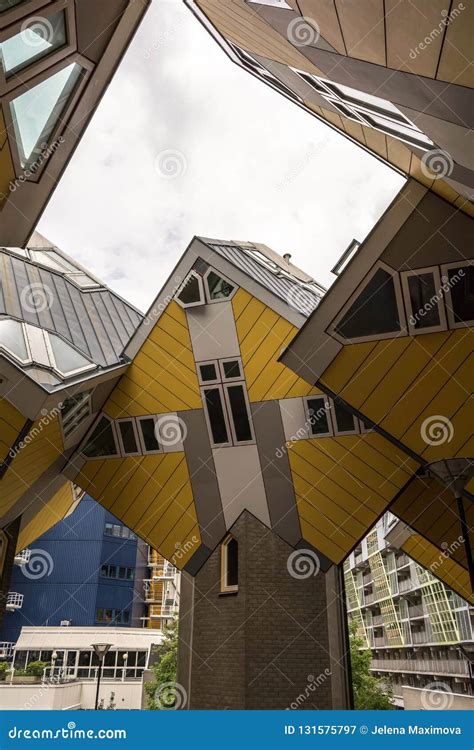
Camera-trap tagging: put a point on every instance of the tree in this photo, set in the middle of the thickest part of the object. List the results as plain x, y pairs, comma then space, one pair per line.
164, 670
369, 692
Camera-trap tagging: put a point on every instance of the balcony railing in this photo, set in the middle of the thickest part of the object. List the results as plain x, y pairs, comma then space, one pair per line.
431, 666
14, 601
6, 649
165, 611
21, 558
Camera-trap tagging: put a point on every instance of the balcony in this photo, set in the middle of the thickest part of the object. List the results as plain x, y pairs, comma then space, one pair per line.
14, 601
6, 649
21, 558
163, 612
453, 667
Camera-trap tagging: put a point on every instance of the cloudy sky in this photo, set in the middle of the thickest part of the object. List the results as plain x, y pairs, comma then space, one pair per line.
251, 166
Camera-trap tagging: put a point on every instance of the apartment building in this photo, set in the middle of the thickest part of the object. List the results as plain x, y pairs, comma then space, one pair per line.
420, 632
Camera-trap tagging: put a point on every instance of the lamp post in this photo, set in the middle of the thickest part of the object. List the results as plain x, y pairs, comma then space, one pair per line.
124, 670
54, 656
100, 649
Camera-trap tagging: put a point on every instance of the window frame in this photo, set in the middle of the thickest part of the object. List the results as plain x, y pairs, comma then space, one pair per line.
214, 362
123, 453
85, 402
54, 364
48, 60
202, 293
90, 432
225, 588
331, 329
141, 439
62, 121
327, 403
207, 293
445, 267
220, 388
224, 377
229, 384
336, 431
3, 348
435, 272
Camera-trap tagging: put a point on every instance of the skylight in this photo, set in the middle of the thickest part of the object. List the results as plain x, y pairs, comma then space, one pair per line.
38, 39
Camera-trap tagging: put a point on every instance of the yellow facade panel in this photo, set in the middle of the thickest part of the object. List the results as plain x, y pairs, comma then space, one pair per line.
363, 29
347, 362
47, 515
11, 423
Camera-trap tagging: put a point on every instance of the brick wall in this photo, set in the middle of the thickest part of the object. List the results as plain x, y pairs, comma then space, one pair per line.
266, 646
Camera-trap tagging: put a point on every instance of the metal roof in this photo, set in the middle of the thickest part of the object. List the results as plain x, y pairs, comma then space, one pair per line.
303, 296
69, 302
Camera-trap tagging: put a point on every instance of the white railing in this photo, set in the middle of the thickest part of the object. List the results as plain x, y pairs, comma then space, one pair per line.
165, 611
6, 649
21, 558
14, 601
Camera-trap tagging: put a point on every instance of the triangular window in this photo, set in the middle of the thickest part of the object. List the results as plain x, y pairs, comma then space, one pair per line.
218, 287
101, 442
375, 312
191, 292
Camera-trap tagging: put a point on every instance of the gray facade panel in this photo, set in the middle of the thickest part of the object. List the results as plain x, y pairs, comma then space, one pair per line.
276, 470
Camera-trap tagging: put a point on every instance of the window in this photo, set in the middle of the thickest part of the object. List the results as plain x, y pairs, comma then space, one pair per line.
128, 437
328, 418
344, 422
34, 42
273, 3
66, 359
376, 311
226, 402
101, 442
9, 4
115, 571
12, 339
217, 287
116, 530
229, 565
36, 112
368, 109
191, 291
74, 410
318, 415
423, 298
112, 616
458, 284
147, 433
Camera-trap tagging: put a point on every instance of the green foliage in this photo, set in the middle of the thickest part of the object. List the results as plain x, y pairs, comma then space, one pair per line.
370, 694
34, 669
165, 667
4, 665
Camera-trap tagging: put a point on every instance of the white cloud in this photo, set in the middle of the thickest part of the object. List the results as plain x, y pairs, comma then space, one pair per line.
257, 167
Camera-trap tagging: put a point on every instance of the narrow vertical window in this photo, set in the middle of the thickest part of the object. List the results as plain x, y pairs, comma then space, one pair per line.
216, 415
229, 565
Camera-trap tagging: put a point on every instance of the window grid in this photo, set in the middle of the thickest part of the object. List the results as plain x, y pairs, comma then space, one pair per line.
223, 386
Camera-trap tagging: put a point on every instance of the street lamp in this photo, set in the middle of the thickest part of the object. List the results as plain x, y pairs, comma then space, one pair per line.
54, 656
100, 649
124, 670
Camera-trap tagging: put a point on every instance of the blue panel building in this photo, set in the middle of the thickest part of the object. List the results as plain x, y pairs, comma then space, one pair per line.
87, 570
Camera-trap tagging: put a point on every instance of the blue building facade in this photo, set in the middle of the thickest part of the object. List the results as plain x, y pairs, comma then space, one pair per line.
87, 570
